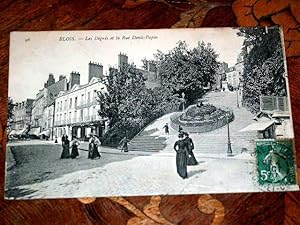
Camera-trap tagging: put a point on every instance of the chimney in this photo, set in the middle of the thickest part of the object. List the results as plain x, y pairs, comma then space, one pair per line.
51, 80
122, 60
95, 70
74, 79
61, 77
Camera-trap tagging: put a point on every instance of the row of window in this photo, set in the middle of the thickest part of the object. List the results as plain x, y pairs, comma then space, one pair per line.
64, 105
83, 114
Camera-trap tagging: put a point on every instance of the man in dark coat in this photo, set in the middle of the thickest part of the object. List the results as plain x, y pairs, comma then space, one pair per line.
191, 161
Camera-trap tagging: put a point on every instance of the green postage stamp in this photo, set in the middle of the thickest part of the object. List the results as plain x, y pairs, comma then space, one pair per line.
275, 162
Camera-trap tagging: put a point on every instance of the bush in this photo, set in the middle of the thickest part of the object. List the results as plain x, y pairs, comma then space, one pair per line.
203, 115
121, 129
199, 111
132, 127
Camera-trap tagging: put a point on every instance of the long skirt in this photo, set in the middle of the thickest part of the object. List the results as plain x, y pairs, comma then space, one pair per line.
94, 153
125, 147
74, 152
191, 161
181, 163
65, 153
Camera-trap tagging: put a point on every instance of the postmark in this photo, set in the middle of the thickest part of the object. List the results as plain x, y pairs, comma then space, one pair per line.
275, 162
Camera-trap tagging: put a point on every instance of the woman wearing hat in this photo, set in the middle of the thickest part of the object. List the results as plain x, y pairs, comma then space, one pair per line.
66, 148
94, 142
75, 143
191, 160
180, 147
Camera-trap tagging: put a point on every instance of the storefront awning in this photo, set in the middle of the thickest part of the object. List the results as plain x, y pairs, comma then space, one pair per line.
281, 115
13, 132
21, 132
34, 131
46, 133
258, 126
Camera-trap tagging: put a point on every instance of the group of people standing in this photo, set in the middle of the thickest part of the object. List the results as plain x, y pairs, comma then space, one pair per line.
184, 151
93, 152
65, 142
184, 154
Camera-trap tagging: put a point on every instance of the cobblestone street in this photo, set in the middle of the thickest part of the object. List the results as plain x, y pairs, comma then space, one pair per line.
40, 173
149, 168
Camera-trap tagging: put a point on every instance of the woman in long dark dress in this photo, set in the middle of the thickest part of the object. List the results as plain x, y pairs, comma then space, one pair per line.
66, 149
94, 142
191, 160
180, 147
74, 145
63, 138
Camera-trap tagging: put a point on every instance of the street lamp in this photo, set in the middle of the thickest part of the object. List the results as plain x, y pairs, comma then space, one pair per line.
183, 95
229, 150
237, 97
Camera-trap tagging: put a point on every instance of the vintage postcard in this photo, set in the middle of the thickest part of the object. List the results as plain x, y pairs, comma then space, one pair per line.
148, 112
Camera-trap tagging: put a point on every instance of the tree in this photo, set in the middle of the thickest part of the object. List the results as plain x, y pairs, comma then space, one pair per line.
263, 65
10, 112
123, 90
129, 105
11, 106
187, 70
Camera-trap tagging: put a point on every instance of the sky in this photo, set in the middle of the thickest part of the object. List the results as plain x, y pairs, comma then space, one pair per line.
33, 55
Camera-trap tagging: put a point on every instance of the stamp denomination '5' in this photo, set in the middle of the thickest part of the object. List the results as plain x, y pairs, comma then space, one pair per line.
275, 162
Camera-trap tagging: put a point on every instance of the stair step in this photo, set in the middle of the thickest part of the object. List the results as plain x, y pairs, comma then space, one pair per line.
148, 147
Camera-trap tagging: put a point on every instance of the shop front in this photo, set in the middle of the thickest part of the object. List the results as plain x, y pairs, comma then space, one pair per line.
83, 131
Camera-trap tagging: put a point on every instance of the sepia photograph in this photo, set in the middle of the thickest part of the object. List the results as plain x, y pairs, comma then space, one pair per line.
148, 112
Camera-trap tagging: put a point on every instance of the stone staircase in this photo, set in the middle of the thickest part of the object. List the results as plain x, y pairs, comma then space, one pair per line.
154, 140
145, 142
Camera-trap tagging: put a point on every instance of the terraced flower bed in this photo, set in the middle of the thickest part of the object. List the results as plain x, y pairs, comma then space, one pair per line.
202, 118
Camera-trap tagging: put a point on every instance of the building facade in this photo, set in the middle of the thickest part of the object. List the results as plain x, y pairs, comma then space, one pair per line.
76, 110
232, 77
234, 74
44, 103
22, 116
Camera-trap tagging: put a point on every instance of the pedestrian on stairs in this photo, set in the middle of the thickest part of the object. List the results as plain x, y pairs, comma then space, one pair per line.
180, 129
166, 127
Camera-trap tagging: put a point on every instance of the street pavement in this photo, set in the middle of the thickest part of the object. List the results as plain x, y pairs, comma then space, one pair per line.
39, 173
149, 169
